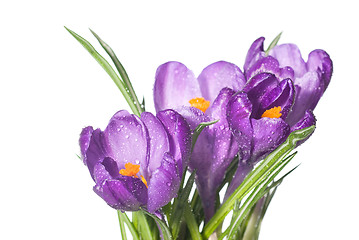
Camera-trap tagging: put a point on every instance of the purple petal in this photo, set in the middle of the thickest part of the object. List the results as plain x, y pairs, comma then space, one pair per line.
214, 150
84, 141
179, 136
224, 148
95, 152
193, 116
158, 140
219, 75
105, 170
307, 121
268, 134
286, 72
283, 95
308, 93
124, 193
265, 65
319, 60
175, 86
254, 53
127, 141
164, 184
239, 112
289, 55
257, 87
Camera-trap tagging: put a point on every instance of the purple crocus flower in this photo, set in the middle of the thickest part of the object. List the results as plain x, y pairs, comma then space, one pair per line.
137, 162
310, 78
279, 97
177, 87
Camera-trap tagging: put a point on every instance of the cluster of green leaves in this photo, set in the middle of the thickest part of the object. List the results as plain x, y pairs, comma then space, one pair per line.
182, 217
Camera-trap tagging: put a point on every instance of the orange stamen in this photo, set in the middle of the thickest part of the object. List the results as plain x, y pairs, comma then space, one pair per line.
199, 103
144, 181
272, 113
130, 170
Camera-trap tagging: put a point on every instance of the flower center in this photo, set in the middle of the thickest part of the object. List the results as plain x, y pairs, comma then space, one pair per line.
131, 170
199, 103
272, 113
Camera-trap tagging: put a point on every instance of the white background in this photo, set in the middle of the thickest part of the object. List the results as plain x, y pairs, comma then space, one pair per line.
50, 88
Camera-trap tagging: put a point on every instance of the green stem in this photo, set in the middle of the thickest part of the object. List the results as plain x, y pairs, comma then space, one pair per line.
191, 222
122, 226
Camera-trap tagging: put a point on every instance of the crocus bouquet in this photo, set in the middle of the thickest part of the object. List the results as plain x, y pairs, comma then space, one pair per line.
227, 130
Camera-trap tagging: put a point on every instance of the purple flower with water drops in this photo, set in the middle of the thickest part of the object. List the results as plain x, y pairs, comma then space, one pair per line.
203, 99
310, 78
279, 97
137, 162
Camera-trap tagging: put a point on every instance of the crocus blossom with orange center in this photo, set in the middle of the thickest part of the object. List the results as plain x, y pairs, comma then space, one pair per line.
129, 168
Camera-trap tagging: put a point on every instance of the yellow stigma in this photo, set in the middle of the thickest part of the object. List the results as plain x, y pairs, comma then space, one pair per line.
130, 170
199, 103
144, 181
272, 113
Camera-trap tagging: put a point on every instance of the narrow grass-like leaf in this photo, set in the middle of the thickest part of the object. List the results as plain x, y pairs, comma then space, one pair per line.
143, 226
167, 209
255, 177
166, 233
255, 196
180, 202
199, 129
129, 224
122, 225
230, 172
143, 104
197, 207
257, 220
121, 70
107, 67
273, 43
191, 222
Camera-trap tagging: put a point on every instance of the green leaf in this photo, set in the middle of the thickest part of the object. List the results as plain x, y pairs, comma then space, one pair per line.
143, 226
143, 104
199, 129
179, 203
196, 205
273, 43
122, 225
166, 233
121, 71
167, 209
256, 177
255, 196
191, 222
107, 67
129, 224
230, 172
